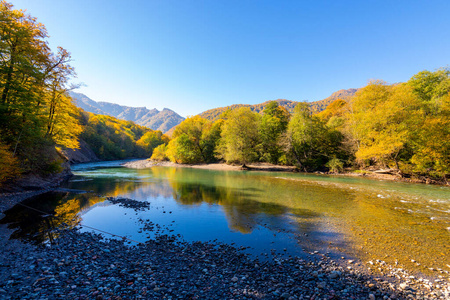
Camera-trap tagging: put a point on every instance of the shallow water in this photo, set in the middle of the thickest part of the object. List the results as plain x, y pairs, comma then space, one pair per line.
287, 212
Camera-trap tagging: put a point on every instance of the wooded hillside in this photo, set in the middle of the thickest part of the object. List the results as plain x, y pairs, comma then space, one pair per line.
289, 105
35, 110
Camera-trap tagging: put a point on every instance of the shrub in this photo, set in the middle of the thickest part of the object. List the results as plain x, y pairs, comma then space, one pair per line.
335, 165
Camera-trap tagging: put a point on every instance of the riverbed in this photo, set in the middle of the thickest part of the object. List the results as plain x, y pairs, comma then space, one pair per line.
403, 225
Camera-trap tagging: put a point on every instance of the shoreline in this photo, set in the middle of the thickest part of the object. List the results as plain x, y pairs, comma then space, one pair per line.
266, 167
45, 271
81, 265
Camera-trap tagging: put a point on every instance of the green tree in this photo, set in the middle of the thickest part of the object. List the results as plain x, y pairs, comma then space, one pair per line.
310, 143
193, 141
159, 153
272, 125
240, 137
430, 139
151, 140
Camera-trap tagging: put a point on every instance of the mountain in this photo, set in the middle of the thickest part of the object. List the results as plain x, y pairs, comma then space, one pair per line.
316, 106
151, 118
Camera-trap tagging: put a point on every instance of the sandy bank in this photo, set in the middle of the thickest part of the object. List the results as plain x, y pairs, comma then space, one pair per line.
142, 164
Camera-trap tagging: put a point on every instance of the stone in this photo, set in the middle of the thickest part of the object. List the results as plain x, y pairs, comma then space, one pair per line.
334, 275
404, 286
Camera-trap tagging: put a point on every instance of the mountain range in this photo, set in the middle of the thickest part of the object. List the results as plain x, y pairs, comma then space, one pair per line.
154, 119
167, 119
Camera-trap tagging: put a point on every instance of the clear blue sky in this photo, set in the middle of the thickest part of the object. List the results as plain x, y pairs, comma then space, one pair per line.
191, 56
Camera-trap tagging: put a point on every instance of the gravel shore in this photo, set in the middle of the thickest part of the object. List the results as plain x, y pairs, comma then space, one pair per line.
143, 164
81, 265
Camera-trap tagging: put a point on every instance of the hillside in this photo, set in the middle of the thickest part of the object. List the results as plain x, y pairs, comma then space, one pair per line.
108, 138
151, 118
316, 106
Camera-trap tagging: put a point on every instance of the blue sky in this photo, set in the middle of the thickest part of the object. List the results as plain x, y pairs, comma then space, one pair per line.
191, 56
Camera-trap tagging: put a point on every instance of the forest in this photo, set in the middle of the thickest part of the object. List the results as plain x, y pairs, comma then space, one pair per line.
37, 115
403, 126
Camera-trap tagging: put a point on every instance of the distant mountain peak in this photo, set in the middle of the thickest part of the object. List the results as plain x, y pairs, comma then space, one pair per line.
152, 118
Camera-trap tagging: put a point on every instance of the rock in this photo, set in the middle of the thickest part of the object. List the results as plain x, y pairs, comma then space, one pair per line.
234, 279
334, 275
404, 286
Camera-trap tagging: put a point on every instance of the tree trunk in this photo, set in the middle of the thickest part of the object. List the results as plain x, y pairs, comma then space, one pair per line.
9, 75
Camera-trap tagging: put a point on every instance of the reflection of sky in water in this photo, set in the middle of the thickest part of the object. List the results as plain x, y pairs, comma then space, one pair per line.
268, 210
203, 222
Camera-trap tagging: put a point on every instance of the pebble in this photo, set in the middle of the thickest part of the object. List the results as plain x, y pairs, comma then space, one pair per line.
168, 267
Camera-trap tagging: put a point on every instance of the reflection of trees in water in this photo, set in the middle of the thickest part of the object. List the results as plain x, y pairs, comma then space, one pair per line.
135, 187
30, 224
244, 205
62, 208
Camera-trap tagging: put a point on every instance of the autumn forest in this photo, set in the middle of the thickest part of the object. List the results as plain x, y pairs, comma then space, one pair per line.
403, 127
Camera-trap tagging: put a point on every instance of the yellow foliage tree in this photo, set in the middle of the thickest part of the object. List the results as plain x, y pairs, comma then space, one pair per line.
381, 121
9, 166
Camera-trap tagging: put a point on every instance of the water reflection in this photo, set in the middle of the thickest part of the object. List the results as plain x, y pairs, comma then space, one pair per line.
368, 219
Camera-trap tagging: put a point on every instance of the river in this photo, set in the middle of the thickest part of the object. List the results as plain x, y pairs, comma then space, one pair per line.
403, 224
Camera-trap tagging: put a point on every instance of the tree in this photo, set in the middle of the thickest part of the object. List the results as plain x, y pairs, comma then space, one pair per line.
382, 118
193, 141
272, 125
431, 133
239, 137
309, 141
151, 140
159, 153
9, 166
35, 110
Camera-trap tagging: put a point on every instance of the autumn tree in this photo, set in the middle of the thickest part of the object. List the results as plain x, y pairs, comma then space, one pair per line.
35, 109
9, 166
151, 140
382, 121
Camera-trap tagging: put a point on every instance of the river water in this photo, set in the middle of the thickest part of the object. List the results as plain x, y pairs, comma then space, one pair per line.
289, 213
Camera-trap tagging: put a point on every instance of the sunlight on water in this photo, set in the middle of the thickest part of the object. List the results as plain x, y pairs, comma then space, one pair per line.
287, 212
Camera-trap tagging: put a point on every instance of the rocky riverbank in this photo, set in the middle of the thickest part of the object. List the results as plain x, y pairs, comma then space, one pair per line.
86, 266
82, 265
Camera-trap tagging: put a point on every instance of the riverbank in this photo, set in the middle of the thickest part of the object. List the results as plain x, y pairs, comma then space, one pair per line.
145, 163
376, 174
87, 266
83, 265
